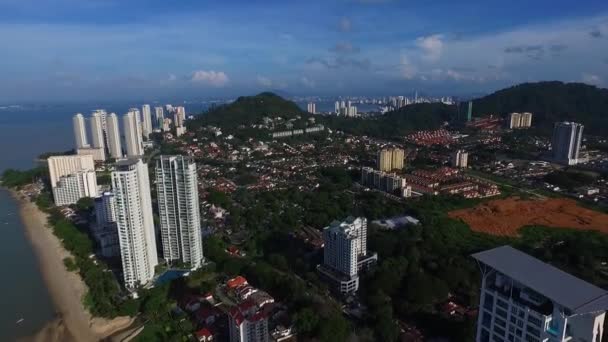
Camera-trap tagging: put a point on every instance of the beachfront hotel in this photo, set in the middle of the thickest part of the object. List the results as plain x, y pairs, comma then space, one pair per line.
72, 178
134, 219
525, 299
178, 206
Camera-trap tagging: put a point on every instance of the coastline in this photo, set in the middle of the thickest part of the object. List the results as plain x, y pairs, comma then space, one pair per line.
73, 321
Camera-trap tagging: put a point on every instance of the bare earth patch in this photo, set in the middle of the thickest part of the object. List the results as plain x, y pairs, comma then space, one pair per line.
505, 217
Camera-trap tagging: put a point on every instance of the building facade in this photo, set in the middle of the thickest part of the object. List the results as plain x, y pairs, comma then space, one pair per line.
248, 323
65, 165
98, 137
312, 108
80, 131
566, 142
74, 186
460, 159
133, 138
106, 229
113, 132
179, 213
345, 253
134, 218
390, 159
525, 300
146, 123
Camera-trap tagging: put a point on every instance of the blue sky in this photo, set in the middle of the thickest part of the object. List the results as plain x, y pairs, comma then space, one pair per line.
135, 49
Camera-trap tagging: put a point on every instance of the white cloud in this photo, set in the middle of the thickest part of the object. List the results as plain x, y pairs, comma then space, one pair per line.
592, 79
432, 46
308, 83
407, 70
211, 77
264, 81
171, 78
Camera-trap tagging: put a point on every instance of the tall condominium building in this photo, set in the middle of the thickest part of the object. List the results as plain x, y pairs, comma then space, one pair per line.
525, 299
113, 133
526, 120
460, 158
520, 120
74, 186
312, 108
146, 123
390, 159
345, 253
337, 107
514, 120
159, 117
103, 115
133, 139
80, 131
134, 218
180, 221
566, 142
98, 135
106, 231
65, 165
248, 323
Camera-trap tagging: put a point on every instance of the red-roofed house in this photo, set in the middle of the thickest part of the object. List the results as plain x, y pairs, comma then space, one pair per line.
204, 335
236, 282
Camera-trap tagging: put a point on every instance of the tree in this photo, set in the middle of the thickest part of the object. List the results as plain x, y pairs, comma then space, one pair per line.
85, 204
306, 321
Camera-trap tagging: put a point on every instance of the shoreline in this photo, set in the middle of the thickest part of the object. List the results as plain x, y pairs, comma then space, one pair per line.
66, 289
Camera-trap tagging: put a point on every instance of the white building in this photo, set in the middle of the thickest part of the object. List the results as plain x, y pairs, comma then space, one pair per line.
312, 108
345, 253
566, 142
134, 218
524, 299
146, 123
103, 115
526, 120
460, 159
80, 131
65, 165
113, 133
514, 120
178, 206
248, 323
72, 187
133, 138
98, 137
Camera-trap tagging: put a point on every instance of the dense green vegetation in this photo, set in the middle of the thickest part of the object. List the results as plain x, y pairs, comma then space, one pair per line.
17, 178
424, 116
569, 179
247, 110
551, 102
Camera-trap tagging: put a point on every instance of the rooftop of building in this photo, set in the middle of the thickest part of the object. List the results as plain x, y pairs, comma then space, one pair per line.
573, 293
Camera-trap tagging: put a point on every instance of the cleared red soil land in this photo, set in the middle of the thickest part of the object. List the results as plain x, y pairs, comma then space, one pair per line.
506, 216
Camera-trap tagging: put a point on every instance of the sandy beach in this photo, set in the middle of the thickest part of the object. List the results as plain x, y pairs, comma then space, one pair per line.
73, 322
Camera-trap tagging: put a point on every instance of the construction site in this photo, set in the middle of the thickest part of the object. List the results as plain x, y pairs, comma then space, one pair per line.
505, 217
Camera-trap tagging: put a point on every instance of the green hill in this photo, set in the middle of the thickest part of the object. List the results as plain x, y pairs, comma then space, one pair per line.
400, 122
247, 110
551, 102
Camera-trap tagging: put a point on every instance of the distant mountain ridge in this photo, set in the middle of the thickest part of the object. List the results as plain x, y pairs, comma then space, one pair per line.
551, 102
548, 101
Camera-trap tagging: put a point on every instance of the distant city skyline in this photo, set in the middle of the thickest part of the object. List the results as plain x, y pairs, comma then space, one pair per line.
109, 50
